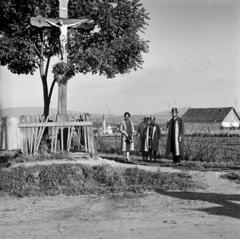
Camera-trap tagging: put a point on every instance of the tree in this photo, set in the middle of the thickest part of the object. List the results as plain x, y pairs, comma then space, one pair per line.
116, 49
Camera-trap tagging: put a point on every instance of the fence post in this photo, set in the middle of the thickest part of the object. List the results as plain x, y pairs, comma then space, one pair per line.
23, 132
3, 133
90, 136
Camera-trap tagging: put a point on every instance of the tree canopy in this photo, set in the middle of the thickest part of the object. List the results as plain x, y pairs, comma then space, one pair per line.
116, 49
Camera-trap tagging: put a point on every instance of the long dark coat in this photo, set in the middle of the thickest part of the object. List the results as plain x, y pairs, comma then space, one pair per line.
175, 139
142, 128
155, 138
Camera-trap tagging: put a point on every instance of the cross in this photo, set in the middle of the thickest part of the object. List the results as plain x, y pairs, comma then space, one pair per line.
63, 23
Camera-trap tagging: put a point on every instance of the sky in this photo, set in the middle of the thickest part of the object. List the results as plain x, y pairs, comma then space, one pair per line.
193, 61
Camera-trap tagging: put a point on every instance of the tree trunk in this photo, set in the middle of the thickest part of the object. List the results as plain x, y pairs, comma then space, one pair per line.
62, 101
46, 103
46, 107
45, 97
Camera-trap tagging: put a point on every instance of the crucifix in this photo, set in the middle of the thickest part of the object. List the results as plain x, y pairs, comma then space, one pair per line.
63, 26
63, 23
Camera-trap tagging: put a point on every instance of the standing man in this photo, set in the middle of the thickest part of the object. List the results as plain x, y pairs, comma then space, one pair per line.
152, 139
175, 144
127, 131
142, 129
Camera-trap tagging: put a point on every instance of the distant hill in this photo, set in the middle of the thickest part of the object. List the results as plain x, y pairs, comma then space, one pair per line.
28, 111
161, 117
24, 111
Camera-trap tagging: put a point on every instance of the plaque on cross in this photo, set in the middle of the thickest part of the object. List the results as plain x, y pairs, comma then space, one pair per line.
63, 8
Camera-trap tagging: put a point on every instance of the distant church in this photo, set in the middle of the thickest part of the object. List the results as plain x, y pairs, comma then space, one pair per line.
105, 129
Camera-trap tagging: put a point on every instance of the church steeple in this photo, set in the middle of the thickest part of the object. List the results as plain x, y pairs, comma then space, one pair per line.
103, 124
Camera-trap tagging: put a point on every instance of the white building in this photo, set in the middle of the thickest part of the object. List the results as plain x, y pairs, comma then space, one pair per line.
210, 119
106, 129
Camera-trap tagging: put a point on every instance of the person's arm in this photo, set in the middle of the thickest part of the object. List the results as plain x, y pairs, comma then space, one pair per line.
159, 132
51, 23
133, 129
122, 131
167, 124
138, 131
80, 21
181, 133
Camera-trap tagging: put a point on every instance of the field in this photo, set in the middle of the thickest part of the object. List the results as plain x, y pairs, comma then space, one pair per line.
221, 149
92, 197
176, 205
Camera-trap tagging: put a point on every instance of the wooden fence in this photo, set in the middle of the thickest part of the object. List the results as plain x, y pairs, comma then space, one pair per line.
75, 132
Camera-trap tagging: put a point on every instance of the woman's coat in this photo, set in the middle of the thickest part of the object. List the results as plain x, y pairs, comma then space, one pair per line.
124, 130
155, 138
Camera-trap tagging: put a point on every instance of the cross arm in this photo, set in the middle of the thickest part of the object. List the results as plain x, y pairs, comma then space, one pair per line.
40, 22
52, 23
76, 23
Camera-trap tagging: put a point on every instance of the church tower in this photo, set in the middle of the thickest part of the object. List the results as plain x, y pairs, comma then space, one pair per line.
103, 125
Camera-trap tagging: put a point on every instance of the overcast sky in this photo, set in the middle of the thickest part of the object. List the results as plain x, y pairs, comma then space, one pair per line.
194, 61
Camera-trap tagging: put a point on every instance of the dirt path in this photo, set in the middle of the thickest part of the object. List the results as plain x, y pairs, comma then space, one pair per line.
78, 158
210, 213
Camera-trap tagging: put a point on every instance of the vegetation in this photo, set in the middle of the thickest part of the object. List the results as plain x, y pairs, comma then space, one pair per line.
79, 179
207, 149
234, 176
116, 49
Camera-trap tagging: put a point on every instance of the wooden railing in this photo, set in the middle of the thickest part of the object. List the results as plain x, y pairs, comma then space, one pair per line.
60, 135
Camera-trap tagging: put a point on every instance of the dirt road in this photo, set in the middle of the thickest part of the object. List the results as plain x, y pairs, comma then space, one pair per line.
210, 213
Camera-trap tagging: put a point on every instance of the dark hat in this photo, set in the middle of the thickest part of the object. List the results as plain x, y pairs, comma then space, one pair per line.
174, 110
152, 117
127, 113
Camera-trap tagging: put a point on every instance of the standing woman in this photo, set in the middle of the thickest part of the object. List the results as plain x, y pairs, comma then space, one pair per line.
152, 139
127, 140
141, 131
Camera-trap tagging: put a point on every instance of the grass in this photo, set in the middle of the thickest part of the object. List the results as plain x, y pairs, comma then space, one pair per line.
184, 165
80, 179
234, 176
211, 149
40, 157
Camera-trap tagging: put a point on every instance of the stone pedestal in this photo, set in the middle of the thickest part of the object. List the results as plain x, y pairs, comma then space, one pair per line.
13, 137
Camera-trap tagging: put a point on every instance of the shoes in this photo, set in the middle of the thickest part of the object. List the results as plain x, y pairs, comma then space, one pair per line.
129, 161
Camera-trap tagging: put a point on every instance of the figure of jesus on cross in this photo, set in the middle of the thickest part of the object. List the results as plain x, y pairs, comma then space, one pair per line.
63, 23
63, 27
